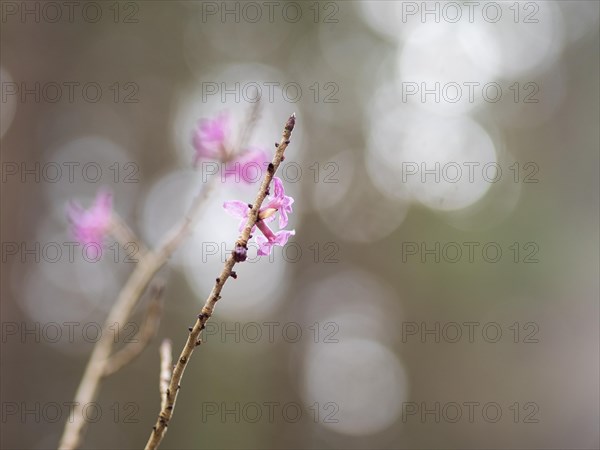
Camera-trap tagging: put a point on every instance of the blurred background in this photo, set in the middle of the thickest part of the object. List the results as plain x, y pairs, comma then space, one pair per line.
441, 290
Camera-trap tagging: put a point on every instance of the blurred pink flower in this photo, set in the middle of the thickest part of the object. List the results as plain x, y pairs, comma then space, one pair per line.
278, 203
90, 226
247, 167
209, 138
210, 142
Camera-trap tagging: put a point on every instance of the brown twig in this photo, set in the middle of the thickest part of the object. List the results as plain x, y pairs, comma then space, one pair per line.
149, 328
168, 402
125, 236
250, 125
149, 263
166, 359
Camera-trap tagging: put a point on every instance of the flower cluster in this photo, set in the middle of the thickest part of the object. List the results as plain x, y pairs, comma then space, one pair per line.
209, 138
90, 226
278, 203
210, 142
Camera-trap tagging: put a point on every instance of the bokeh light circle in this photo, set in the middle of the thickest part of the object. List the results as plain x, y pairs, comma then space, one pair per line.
365, 368
445, 163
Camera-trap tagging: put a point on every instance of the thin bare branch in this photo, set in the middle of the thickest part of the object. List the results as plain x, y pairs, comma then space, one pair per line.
149, 328
250, 125
167, 407
126, 237
166, 360
149, 264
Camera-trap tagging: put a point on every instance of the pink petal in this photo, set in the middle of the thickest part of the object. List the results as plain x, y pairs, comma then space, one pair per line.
91, 226
281, 237
103, 202
264, 246
215, 129
278, 190
209, 137
247, 167
252, 165
236, 208
283, 218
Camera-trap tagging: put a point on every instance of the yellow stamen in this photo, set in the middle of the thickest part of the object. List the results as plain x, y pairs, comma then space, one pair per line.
266, 213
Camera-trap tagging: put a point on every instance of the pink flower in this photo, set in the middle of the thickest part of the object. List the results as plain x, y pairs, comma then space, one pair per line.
90, 226
209, 138
210, 142
238, 209
278, 203
247, 167
266, 242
